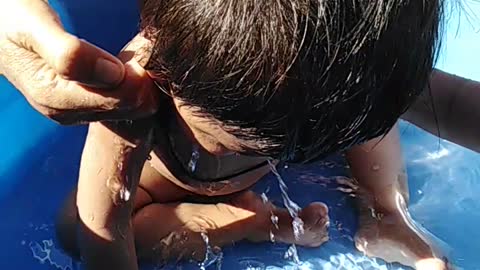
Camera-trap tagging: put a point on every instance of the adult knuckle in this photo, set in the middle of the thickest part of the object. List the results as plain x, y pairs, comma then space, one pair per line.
68, 56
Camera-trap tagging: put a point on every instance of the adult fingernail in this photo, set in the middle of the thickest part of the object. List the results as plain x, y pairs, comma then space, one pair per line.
108, 73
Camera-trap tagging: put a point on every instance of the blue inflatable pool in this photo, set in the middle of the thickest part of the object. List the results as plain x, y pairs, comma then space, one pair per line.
39, 162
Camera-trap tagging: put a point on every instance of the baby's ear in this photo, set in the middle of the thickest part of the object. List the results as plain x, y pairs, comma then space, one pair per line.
139, 49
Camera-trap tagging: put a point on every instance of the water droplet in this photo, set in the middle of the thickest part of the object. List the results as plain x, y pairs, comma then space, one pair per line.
298, 228
212, 256
292, 254
251, 264
376, 167
149, 157
264, 197
286, 166
192, 164
91, 217
272, 237
375, 214
419, 192
125, 194
274, 220
121, 232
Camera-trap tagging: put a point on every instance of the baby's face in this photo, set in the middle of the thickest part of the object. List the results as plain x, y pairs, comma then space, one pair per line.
206, 131
210, 133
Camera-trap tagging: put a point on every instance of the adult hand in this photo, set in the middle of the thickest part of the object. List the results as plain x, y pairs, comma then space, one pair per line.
67, 79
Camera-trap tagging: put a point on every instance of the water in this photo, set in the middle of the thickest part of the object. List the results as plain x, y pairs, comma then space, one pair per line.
298, 228
46, 252
273, 217
433, 174
274, 220
192, 164
291, 206
272, 237
125, 194
115, 184
292, 254
212, 256
251, 264
293, 210
264, 197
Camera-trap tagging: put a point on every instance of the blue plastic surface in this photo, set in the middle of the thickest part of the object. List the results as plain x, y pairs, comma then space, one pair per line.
39, 164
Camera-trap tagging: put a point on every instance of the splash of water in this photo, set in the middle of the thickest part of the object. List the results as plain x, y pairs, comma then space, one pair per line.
192, 164
264, 197
292, 254
251, 264
273, 217
211, 256
293, 210
298, 227
291, 206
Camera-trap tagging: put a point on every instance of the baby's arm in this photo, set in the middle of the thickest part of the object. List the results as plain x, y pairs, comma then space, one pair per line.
378, 167
112, 160
456, 101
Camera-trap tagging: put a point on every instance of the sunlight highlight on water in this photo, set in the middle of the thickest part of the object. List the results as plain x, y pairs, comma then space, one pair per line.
192, 164
47, 253
212, 256
293, 210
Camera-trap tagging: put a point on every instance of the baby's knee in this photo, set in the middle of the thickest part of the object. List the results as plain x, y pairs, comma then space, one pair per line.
161, 235
249, 200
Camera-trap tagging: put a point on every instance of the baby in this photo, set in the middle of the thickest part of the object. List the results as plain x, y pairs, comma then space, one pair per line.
242, 86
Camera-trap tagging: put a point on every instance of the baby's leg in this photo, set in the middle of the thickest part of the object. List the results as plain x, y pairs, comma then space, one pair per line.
173, 231
67, 221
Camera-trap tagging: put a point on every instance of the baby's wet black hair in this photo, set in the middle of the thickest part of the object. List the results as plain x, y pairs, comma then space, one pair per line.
305, 77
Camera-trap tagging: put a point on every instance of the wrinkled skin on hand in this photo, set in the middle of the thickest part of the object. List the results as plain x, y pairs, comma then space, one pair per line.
65, 78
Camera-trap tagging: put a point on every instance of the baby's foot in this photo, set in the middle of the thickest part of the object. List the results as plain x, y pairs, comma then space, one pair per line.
315, 224
395, 238
278, 226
